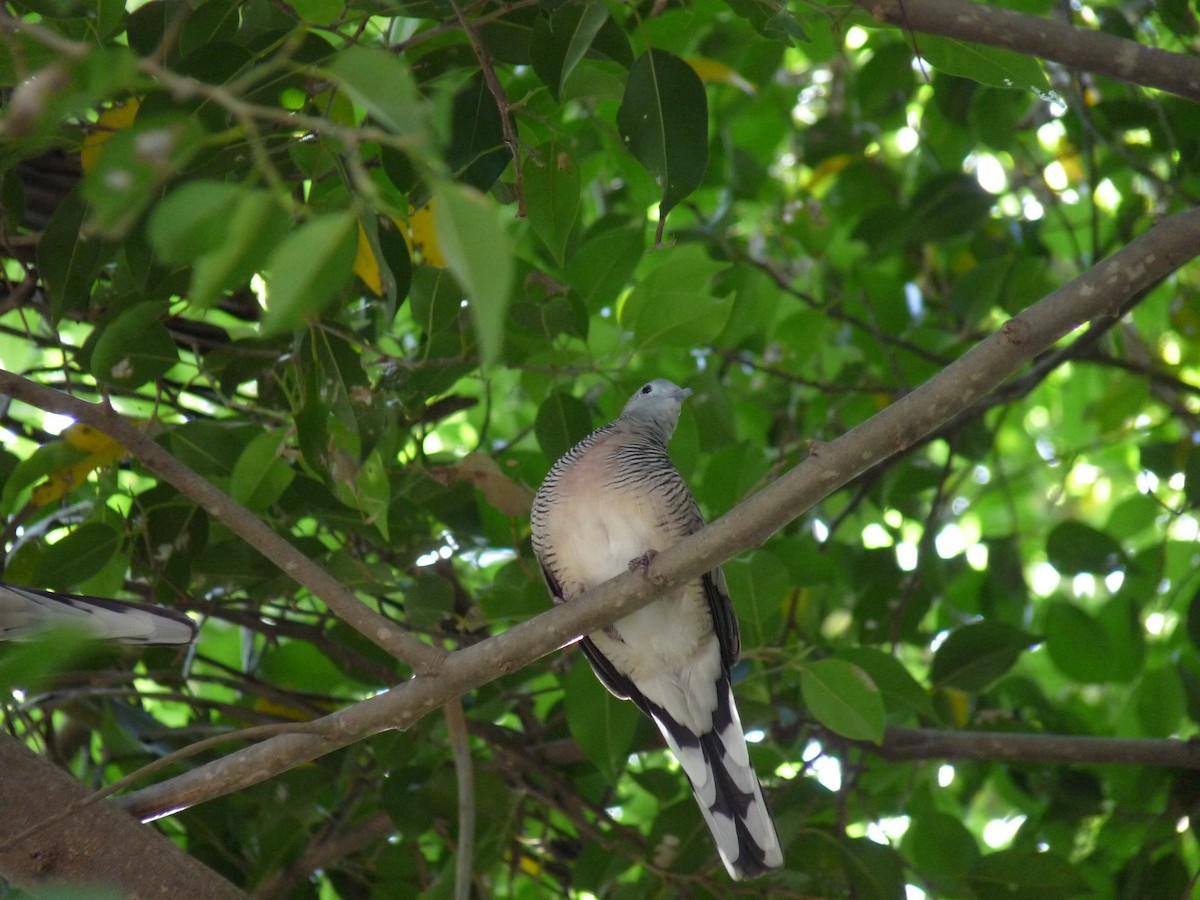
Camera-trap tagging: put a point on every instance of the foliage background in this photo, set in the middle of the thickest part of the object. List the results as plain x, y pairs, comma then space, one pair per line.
371, 267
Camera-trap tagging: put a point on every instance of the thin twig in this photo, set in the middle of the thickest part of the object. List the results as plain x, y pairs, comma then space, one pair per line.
464, 771
496, 89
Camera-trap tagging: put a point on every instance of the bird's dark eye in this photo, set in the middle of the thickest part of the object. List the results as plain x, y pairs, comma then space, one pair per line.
647, 389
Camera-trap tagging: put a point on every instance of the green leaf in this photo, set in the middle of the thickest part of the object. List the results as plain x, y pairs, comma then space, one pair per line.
552, 188
50, 457
1078, 644
945, 206
1160, 702
562, 40
987, 65
256, 226
975, 655
672, 306
307, 270
770, 18
319, 12
1028, 875
759, 586
562, 421
479, 252
68, 260
369, 492
1193, 620
477, 154
600, 269
260, 475
663, 120
601, 725
135, 347
428, 601
843, 698
207, 447
378, 81
1073, 547
941, 847
34, 666
77, 557
902, 694
192, 220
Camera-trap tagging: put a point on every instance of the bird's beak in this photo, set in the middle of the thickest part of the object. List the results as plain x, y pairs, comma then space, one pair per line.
683, 394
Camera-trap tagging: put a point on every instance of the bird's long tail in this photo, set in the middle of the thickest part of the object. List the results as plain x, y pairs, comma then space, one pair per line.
26, 611
727, 789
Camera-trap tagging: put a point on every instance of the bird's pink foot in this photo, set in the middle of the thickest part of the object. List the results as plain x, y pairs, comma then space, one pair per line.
642, 563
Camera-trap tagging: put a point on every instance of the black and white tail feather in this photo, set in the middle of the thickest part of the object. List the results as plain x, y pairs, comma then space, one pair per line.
26, 612
726, 787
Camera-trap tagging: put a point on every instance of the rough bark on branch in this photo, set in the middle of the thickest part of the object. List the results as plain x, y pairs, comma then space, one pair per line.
97, 845
1079, 48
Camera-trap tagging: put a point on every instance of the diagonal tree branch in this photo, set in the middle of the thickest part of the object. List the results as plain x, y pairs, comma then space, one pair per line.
1092, 51
1100, 292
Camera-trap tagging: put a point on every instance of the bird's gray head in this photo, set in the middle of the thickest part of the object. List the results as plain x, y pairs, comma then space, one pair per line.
657, 404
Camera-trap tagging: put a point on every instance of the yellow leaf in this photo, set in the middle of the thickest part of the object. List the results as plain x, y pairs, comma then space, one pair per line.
827, 168
60, 483
421, 235
102, 451
959, 704
89, 439
714, 72
109, 122
366, 266
285, 712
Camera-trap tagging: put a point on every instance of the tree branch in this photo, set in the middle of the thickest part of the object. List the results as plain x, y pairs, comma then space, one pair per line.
930, 743
97, 846
1099, 292
1092, 51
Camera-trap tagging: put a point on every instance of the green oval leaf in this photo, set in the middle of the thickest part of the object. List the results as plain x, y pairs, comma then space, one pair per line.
552, 188
1078, 644
663, 120
602, 725
600, 269
975, 655
673, 306
1160, 701
192, 220
77, 557
260, 476
1074, 547
305, 272
903, 696
1026, 874
480, 255
135, 347
257, 224
987, 65
843, 698
563, 38
383, 85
